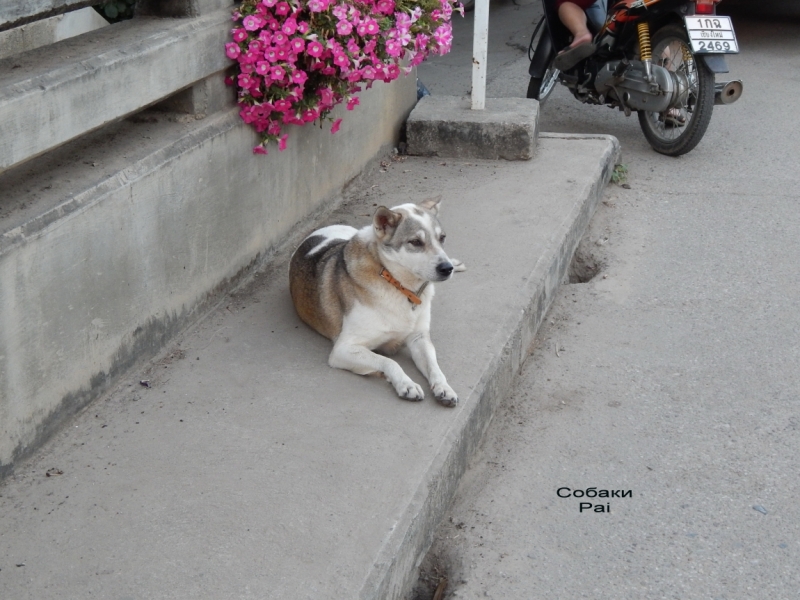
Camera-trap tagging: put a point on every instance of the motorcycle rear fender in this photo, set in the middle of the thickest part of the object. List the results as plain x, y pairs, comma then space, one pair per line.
543, 56
716, 63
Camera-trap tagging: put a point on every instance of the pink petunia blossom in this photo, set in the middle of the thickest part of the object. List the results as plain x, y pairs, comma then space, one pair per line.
393, 48
232, 50
263, 67
385, 7
278, 73
314, 49
282, 142
344, 27
253, 22
260, 150
289, 26
269, 3
239, 34
282, 8
302, 27
298, 44
340, 11
299, 77
352, 102
335, 126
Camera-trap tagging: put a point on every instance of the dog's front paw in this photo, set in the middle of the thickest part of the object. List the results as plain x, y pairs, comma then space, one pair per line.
408, 390
445, 395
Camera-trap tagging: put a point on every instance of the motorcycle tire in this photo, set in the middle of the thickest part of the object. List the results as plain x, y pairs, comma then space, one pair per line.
678, 130
540, 88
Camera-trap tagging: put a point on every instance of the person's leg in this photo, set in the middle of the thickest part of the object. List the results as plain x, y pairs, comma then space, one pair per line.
574, 19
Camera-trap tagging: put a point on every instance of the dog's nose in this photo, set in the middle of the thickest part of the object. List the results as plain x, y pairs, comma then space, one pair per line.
444, 269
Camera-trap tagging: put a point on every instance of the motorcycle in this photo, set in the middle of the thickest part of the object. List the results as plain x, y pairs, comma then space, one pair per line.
667, 77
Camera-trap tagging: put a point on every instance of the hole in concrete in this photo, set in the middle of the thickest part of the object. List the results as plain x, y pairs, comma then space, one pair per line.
433, 581
585, 265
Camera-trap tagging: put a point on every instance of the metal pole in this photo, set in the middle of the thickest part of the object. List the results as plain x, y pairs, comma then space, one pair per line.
480, 52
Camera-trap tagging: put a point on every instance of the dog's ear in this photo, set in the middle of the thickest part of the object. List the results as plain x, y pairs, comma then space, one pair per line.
385, 222
432, 204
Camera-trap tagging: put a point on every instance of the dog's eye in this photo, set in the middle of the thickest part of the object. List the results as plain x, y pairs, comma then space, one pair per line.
441, 238
417, 243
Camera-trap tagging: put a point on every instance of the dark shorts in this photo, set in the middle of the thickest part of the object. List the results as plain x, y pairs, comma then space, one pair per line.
584, 4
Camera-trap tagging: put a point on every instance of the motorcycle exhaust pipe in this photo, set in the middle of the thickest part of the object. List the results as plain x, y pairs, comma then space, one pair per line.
727, 92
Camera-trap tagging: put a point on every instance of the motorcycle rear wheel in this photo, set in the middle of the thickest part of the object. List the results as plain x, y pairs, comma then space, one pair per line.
540, 88
677, 131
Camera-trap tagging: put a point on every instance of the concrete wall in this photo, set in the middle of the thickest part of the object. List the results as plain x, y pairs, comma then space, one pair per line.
114, 242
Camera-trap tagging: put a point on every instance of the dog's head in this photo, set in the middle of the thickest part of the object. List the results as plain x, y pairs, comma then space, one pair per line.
411, 236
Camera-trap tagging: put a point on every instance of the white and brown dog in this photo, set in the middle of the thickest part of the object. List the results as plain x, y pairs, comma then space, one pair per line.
371, 289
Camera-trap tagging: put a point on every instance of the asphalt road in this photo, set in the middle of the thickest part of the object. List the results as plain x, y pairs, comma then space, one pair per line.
671, 374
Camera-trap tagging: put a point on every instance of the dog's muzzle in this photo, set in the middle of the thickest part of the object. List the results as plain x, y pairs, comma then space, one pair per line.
444, 270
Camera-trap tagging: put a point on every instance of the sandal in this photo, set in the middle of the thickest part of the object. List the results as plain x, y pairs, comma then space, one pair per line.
675, 118
570, 57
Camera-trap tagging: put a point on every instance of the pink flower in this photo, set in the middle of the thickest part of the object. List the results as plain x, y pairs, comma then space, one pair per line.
279, 39
352, 102
259, 150
269, 3
302, 27
326, 96
299, 77
278, 73
271, 55
444, 37
282, 142
344, 27
340, 60
262, 67
310, 114
316, 6
353, 47
289, 26
253, 22
340, 11
393, 48
314, 49
232, 50
282, 8
282, 105
298, 45
385, 7
402, 20
335, 126
239, 34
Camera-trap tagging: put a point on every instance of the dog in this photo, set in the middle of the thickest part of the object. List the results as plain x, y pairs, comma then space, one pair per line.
370, 289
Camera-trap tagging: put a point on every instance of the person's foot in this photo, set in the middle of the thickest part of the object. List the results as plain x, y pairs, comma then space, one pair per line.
581, 48
675, 118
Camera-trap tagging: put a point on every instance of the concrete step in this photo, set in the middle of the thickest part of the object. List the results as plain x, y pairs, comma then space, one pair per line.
56, 93
114, 242
248, 468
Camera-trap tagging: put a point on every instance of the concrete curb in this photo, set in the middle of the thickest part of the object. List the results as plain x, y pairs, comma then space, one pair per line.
395, 570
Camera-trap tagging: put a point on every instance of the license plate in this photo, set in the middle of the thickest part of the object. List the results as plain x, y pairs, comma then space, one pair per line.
712, 35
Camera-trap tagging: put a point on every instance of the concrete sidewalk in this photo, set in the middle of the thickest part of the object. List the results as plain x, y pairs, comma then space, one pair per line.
250, 469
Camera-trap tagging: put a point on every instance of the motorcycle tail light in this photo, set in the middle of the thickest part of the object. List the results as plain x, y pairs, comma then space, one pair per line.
704, 7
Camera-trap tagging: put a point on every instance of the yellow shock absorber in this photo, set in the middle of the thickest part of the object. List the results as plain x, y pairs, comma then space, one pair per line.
645, 50
687, 54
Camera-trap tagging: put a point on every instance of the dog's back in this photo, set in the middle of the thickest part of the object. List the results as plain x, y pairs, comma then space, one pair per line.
317, 275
